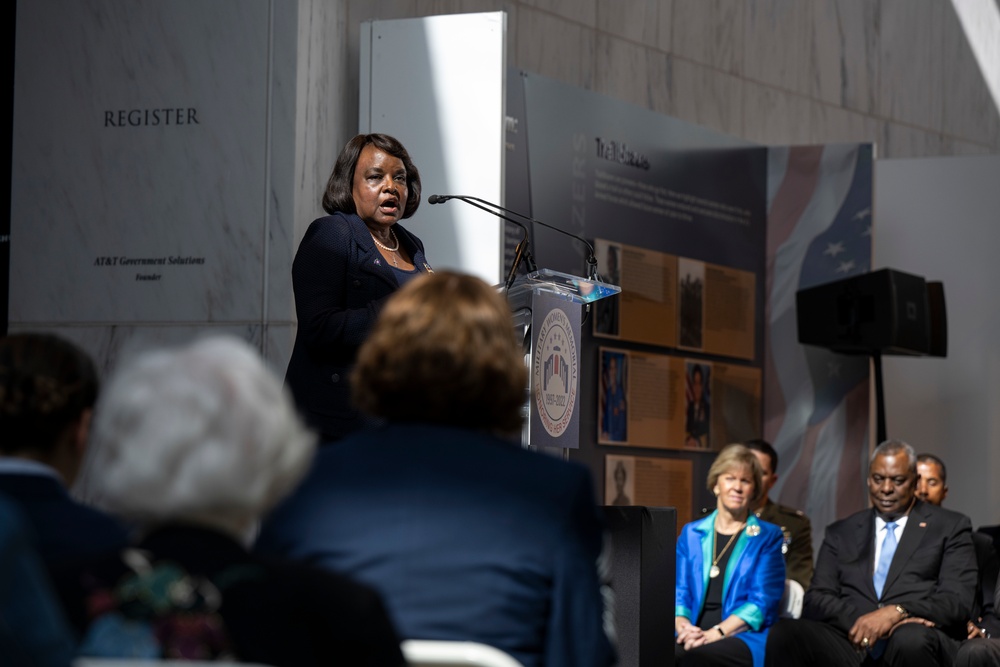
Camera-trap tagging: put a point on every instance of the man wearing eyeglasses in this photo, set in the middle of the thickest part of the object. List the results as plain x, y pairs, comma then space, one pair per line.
893, 584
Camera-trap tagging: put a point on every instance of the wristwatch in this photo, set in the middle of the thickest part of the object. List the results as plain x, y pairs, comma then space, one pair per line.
902, 611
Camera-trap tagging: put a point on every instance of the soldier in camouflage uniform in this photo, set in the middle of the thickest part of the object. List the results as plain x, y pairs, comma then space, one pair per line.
794, 524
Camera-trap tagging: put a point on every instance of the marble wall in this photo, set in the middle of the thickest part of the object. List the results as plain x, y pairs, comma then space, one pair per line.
164, 166
897, 73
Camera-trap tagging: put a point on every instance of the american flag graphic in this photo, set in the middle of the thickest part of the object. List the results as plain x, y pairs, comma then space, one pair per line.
816, 403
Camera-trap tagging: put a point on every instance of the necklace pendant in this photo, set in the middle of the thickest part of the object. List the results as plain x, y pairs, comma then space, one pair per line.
714, 571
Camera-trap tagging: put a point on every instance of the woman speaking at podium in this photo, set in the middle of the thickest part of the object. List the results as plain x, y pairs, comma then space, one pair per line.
347, 265
730, 571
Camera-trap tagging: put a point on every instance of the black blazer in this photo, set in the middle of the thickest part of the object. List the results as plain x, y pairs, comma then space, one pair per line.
989, 568
341, 282
65, 531
933, 573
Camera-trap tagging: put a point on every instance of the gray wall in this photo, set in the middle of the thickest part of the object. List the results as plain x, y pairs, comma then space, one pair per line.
938, 219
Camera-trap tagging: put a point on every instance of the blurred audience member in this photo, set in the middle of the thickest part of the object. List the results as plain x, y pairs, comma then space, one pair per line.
730, 571
984, 653
47, 391
795, 526
194, 445
932, 487
33, 631
467, 535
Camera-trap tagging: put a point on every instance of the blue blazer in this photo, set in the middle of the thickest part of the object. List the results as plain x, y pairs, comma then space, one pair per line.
33, 630
466, 536
753, 583
65, 531
341, 282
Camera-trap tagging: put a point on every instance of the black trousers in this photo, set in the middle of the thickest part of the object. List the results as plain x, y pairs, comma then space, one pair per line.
979, 653
728, 652
812, 644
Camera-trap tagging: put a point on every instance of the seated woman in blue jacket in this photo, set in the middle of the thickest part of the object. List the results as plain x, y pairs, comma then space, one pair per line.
730, 571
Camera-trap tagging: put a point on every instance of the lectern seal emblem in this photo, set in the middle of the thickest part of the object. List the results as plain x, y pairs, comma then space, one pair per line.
555, 372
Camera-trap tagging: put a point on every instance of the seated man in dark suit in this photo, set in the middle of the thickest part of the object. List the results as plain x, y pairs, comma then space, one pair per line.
893, 585
932, 487
48, 387
466, 535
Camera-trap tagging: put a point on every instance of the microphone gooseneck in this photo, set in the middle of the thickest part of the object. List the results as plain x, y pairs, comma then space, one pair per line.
592, 273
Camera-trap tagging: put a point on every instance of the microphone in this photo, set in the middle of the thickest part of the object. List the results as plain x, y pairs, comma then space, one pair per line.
592, 273
521, 252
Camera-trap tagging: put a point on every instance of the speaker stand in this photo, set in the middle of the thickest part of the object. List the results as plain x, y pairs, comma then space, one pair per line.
879, 398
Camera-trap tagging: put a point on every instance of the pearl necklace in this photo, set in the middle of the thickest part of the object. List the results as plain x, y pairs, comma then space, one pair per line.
391, 251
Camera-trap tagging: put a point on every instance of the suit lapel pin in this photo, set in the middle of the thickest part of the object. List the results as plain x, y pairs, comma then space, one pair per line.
923, 524
753, 531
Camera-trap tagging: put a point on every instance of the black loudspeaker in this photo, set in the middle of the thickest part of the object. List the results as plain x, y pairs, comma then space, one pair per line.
939, 320
884, 311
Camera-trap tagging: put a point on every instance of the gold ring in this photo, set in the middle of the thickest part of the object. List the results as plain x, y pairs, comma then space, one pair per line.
864, 641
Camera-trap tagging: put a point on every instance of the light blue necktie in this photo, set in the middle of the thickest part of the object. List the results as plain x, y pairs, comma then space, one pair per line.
885, 558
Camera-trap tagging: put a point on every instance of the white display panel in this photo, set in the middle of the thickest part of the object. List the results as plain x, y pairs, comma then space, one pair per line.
438, 85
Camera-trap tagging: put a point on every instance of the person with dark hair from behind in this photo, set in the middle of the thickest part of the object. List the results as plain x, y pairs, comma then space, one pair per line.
33, 631
730, 572
893, 585
346, 266
193, 445
932, 487
48, 387
794, 524
468, 536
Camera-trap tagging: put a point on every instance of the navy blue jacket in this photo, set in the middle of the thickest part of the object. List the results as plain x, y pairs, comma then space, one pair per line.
65, 531
341, 282
466, 536
32, 628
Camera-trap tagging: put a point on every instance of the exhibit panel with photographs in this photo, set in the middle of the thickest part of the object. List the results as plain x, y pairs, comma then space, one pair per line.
650, 482
737, 392
645, 311
665, 402
728, 324
677, 302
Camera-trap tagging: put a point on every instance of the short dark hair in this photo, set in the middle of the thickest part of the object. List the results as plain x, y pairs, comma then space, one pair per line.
930, 458
339, 196
46, 383
764, 447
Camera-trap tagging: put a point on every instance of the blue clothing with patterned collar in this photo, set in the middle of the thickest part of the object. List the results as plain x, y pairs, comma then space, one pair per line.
753, 583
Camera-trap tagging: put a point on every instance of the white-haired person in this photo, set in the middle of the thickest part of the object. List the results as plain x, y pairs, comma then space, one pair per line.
193, 445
